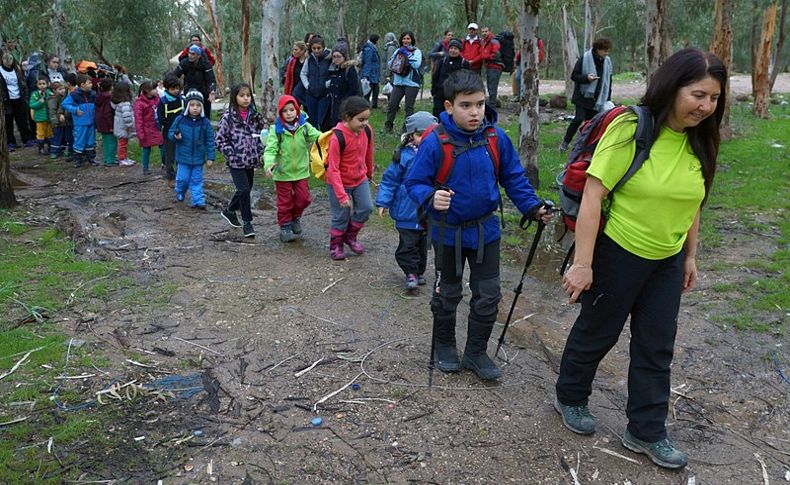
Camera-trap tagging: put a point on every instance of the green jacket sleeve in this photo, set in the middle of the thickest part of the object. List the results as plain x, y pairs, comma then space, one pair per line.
270, 153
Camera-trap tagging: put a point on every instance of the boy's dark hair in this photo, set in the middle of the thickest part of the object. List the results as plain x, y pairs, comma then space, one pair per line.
70, 79
374, 38
81, 78
602, 43
462, 81
171, 81
195, 35
121, 92
105, 84
234, 91
55, 86
42, 77
410, 34
317, 39
145, 87
352, 106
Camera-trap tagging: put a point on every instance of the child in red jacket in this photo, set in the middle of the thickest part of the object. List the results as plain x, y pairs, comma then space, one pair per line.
105, 118
148, 133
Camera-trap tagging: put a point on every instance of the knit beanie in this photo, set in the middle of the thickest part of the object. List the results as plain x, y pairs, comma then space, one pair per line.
455, 43
342, 48
420, 121
195, 49
193, 95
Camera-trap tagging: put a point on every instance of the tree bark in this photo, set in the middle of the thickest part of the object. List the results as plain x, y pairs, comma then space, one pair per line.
721, 45
529, 114
7, 197
271, 18
470, 8
658, 45
246, 74
588, 28
58, 23
216, 38
762, 78
776, 64
570, 51
341, 21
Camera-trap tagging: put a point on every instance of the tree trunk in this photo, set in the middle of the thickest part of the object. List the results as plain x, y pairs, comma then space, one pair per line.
7, 197
246, 75
588, 27
58, 23
271, 19
470, 8
721, 45
753, 37
777, 57
513, 17
216, 37
341, 22
658, 45
529, 114
570, 51
762, 78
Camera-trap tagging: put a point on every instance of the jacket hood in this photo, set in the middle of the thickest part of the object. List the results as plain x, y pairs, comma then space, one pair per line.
489, 119
389, 37
285, 99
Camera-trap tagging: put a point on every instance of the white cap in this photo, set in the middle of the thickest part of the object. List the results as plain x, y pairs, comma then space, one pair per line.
471, 26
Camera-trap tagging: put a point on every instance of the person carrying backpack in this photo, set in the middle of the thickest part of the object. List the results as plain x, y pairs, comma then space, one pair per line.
644, 258
444, 67
492, 60
371, 69
460, 201
407, 81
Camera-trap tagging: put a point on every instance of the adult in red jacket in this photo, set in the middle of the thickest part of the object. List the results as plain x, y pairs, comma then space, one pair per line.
195, 40
471, 49
492, 59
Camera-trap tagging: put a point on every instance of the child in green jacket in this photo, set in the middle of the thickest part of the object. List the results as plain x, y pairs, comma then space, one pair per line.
38, 105
286, 159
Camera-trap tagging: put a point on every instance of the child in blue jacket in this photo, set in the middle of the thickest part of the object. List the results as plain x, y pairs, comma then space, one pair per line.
81, 103
194, 139
462, 212
412, 252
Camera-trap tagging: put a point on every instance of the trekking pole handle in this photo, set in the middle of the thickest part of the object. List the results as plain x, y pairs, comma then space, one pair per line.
526, 220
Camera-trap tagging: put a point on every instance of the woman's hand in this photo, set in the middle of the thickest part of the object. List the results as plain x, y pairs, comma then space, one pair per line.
689, 274
577, 279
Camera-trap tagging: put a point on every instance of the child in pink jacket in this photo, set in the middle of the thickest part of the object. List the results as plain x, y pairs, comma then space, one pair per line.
148, 133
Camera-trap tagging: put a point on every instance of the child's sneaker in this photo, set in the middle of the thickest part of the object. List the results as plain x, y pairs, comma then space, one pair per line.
564, 146
247, 230
180, 197
421, 280
411, 281
287, 234
296, 226
231, 217
53, 156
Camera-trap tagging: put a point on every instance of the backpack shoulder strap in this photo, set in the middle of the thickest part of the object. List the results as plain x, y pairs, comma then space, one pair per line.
645, 125
492, 145
369, 134
448, 157
341, 140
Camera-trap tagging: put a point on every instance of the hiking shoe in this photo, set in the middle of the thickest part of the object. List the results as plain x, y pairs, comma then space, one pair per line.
663, 453
231, 217
53, 156
482, 365
411, 281
447, 358
296, 226
180, 197
287, 234
247, 230
421, 280
564, 146
576, 418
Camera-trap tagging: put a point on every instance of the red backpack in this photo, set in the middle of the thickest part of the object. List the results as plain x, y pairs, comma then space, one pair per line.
573, 177
452, 148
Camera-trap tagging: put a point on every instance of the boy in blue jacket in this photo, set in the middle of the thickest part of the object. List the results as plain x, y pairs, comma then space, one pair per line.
412, 252
194, 139
81, 103
462, 213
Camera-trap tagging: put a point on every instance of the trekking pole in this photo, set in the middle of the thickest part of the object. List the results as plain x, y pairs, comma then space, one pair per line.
524, 224
436, 285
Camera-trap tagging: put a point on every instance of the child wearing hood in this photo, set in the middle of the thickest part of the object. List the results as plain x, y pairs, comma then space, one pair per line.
287, 160
194, 139
237, 141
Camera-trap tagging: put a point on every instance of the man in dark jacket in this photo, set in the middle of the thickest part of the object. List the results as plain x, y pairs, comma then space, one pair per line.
199, 75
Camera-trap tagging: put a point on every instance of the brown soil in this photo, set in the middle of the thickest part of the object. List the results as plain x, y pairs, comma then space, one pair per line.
257, 312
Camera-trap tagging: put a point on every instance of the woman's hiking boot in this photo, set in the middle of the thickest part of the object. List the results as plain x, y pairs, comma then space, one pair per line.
336, 251
663, 453
351, 236
578, 419
475, 353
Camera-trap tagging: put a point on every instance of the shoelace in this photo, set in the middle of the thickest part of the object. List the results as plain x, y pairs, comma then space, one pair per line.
580, 411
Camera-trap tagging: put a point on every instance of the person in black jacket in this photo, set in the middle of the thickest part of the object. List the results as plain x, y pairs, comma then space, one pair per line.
451, 62
198, 75
343, 80
592, 77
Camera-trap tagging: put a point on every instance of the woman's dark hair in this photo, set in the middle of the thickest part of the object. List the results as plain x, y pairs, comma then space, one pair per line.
49, 57
145, 87
171, 81
234, 91
602, 43
317, 39
105, 84
352, 106
309, 36
681, 69
410, 34
374, 38
195, 35
462, 81
121, 92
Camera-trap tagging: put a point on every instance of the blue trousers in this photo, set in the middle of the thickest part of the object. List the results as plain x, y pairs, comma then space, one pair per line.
361, 202
84, 138
190, 177
62, 139
317, 109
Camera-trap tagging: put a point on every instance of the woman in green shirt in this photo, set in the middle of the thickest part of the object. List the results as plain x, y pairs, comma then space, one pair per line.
645, 256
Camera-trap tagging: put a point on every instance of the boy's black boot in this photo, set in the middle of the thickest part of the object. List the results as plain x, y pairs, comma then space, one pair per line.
90, 154
475, 356
444, 333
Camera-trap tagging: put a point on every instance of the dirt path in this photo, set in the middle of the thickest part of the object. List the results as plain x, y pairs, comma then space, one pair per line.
255, 313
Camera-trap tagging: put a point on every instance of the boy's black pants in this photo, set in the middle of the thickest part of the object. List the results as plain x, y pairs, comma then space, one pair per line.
412, 252
648, 290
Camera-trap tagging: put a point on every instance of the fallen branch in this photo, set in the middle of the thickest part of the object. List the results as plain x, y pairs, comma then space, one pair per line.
19, 362
308, 369
83, 376
14, 421
146, 366
762, 465
615, 454
197, 345
332, 284
333, 393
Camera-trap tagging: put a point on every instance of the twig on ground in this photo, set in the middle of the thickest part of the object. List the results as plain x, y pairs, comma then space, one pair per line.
278, 364
615, 454
308, 369
13, 421
575, 472
19, 362
764, 469
333, 393
83, 376
332, 284
146, 366
197, 345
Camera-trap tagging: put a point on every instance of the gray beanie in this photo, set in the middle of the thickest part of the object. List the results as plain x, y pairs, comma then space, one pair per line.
420, 121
